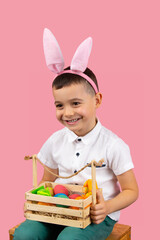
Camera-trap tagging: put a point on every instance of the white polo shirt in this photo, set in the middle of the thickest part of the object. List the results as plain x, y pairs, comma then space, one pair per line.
69, 153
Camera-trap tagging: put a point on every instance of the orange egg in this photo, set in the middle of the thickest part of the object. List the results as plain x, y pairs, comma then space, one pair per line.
87, 195
76, 208
46, 204
77, 198
80, 197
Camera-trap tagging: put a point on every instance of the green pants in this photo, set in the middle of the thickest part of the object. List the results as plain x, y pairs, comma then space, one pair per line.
33, 230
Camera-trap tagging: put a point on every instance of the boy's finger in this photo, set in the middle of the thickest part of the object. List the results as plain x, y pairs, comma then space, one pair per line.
99, 196
98, 212
97, 220
96, 207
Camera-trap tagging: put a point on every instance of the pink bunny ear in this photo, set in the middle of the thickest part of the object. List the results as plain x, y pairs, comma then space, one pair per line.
81, 56
52, 52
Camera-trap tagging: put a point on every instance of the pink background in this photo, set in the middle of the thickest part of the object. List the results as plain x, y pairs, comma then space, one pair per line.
125, 58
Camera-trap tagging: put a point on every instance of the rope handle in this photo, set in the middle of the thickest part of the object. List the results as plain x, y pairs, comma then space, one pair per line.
93, 165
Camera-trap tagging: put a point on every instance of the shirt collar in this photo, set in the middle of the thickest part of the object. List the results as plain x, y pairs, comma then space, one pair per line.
88, 138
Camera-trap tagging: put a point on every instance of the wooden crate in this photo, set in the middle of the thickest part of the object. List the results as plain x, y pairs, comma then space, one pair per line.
58, 215
52, 214
120, 232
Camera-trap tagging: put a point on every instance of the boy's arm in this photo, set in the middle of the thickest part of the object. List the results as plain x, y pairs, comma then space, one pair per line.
127, 196
47, 176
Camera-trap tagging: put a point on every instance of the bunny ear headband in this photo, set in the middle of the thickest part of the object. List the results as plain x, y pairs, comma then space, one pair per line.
55, 61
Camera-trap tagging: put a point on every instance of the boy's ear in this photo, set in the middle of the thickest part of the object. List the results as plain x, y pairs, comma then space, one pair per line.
98, 98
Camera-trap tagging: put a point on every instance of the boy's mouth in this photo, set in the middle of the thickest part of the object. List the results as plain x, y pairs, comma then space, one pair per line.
72, 121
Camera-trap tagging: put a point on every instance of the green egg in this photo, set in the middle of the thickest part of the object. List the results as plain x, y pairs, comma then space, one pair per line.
61, 196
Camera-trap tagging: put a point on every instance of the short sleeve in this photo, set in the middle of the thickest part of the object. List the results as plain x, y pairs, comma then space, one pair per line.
45, 154
119, 157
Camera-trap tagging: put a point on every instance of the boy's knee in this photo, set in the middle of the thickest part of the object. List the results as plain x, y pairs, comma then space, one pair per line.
23, 235
31, 230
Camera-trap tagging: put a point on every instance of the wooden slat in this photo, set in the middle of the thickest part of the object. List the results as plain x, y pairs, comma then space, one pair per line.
57, 210
86, 201
34, 160
82, 203
70, 187
55, 220
54, 200
86, 222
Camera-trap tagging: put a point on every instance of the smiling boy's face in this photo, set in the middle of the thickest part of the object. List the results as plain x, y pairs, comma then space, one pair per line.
76, 108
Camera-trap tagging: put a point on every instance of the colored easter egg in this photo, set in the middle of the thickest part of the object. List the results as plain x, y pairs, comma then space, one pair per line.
44, 192
87, 195
75, 208
73, 196
61, 195
46, 204
77, 198
60, 189
34, 191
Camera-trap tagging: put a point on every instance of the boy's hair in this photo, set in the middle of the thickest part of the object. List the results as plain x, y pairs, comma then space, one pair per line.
68, 79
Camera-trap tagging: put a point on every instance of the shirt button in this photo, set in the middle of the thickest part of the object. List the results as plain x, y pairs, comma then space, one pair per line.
75, 171
77, 154
79, 139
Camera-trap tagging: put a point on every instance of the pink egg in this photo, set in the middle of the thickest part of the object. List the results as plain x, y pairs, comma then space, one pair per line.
73, 196
60, 189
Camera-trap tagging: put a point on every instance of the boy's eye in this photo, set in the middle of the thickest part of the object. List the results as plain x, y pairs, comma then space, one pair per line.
76, 103
59, 105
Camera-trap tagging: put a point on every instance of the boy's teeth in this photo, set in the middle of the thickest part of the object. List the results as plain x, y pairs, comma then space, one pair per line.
74, 120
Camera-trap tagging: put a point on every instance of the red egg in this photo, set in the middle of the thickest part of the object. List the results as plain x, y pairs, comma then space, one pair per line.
73, 196
60, 189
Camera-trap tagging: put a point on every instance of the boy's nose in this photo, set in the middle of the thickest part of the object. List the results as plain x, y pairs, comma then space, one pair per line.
68, 111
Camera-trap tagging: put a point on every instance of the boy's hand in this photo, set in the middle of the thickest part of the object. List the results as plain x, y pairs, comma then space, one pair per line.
99, 210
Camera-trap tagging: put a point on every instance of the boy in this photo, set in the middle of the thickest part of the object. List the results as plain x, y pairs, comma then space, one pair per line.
83, 139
